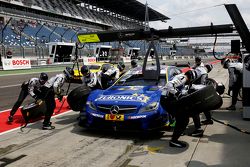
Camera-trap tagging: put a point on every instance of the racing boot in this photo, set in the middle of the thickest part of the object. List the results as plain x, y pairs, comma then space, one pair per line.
176, 143
48, 126
10, 119
232, 107
207, 122
197, 133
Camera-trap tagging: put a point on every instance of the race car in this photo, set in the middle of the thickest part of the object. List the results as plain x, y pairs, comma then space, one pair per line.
131, 104
93, 67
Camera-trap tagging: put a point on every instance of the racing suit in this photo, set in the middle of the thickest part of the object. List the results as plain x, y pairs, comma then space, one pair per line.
173, 90
235, 80
52, 86
104, 79
32, 88
91, 80
201, 80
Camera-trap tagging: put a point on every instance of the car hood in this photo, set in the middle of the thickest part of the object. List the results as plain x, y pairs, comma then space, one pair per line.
126, 95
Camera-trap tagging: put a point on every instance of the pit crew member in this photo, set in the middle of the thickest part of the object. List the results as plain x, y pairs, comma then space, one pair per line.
32, 88
54, 87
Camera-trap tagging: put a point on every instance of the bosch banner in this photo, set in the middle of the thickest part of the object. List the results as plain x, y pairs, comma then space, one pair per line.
13, 64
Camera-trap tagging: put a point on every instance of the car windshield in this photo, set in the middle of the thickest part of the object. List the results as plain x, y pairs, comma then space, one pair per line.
138, 80
94, 67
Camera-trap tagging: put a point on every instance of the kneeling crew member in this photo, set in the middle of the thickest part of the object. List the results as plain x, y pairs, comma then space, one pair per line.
90, 78
32, 88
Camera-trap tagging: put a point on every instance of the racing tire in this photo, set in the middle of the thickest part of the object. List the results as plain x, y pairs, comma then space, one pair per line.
33, 111
204, 99
77, 97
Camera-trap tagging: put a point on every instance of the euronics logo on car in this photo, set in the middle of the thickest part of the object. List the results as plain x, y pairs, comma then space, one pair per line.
140, 98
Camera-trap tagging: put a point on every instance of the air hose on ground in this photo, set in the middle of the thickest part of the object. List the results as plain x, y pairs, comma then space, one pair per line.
231, 126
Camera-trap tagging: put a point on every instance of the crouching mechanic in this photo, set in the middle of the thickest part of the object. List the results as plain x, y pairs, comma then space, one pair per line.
54, 87
90, 78
32, 88
174, 89
110, 75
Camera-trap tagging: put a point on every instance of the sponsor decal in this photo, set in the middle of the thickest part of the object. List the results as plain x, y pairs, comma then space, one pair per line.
140, 98
137, 117
130, 88
87, 38
89, 60
11, 64
112, 117
97, 115
20, 62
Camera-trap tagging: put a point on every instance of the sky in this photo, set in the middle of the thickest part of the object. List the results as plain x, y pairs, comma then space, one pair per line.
192, 13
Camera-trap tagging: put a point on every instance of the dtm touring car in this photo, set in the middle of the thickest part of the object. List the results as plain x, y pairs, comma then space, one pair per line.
131, 103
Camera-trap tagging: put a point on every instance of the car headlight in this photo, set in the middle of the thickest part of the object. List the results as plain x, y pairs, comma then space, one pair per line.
151, 107
91, 105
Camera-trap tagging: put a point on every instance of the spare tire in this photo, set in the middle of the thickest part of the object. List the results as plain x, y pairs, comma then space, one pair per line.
77, 97
33, 111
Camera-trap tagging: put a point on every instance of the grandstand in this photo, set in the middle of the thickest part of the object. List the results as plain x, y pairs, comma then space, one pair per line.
27, 25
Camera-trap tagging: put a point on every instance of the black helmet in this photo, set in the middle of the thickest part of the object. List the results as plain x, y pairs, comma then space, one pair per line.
209, 67
197, 59
121, 66
85, 70
43, 78
225, 62
104, 69
69, 73
191, 75
220, 88
133, 63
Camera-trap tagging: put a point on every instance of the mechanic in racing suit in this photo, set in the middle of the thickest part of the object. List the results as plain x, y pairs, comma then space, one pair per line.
54, 87
235, 79
174, 89
110, 75
90, 78
204, 70
32, 88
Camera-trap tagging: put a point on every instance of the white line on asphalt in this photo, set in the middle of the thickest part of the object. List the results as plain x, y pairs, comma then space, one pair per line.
8, 86
2, 75
35, 122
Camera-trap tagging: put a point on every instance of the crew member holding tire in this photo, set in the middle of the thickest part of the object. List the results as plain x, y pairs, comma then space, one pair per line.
204, 70
54, 87
173, 91
32, 88
235, 80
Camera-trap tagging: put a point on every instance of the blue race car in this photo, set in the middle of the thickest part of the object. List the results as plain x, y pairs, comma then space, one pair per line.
131, 103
